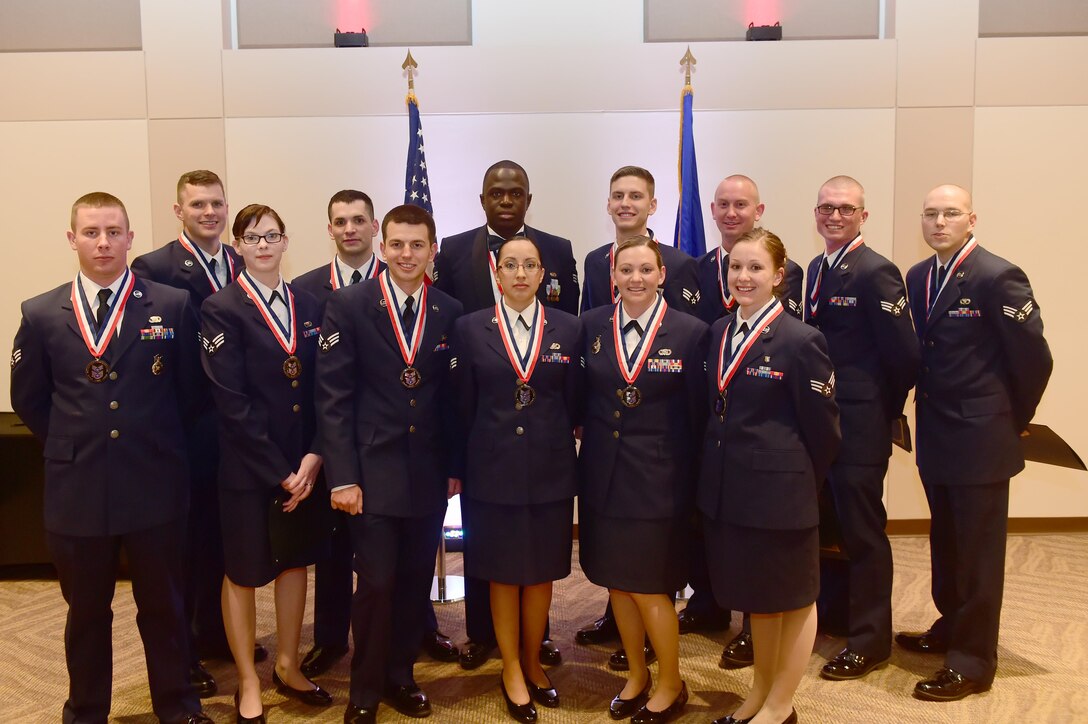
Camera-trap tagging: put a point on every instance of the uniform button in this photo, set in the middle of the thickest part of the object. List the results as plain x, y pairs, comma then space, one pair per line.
296, 408
294, 383
519, 430
925, 395
412, 402
616, 434
616, 414
929, 342
719, 443
115, 434
113, 405
411, 428
113, 375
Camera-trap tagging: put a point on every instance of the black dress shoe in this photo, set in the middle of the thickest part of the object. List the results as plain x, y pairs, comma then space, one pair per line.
320, 659
624, 708
545, 696
851, 665
731, 720
408, 700
648, 716
948, 685
550, 654
360, 715
314, 697
259, 719
520, 712
260, 653
923, 642
618, 660
474, 655
690, 622
738, 653
202, 681
196, 718
601, 631
439, 647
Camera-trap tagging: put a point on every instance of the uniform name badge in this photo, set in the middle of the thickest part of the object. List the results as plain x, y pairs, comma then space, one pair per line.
98, 370
631, 396
729, 359
524, 365
286, 336
410, 377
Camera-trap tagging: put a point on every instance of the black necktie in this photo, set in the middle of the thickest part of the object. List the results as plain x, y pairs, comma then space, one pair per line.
356, 277
214, 266
103, 307
408, 319
938, 280
633, 324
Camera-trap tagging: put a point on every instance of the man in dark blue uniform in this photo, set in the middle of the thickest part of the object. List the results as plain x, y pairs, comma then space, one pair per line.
197, 262
386, 425
856, 298
465, 269
985, 365
104, 370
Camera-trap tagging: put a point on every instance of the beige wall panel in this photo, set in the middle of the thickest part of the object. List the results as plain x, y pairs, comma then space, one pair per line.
35, 25
556, 23
72, 86
583, 78
1032, 71
688, 20
175, 147
183, 44
47, 166
936, 52
1029, 189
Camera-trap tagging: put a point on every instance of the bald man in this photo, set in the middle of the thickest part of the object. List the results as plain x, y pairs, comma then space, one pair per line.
856, 298
985, 365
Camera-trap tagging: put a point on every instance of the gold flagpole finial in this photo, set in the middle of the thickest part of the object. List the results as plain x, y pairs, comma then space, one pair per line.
410, 65
687, 62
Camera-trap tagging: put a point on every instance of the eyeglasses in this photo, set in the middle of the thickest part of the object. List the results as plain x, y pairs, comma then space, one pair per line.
844, 210
948, 214
272, 237
511, 267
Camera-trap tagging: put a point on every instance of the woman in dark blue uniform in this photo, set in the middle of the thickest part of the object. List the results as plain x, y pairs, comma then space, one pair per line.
773, 431
260, 340
645, 409
518, 378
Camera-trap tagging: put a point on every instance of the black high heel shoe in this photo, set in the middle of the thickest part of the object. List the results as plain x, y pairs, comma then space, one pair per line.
649, 716
314, 697
543, 695
524, 713
259, 719
624, 708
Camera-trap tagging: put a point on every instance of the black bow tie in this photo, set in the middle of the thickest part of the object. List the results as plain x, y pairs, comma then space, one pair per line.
494, 242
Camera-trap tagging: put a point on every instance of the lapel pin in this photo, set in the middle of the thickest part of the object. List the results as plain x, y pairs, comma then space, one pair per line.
138, 294
188, 262
154, 319
596, 345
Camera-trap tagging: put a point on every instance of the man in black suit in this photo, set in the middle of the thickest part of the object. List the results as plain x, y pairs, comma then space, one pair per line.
352, 227
631, 203
856, 298
985, 365
103, 373
386, 423
465, 269
197, 262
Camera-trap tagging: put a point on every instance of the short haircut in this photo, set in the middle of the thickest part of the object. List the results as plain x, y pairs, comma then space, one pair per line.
632, 242
637, 172
97, 200
410, 214
774, 246
520, 238
252, 214
200, 177
349, 196
842, 181
505, 164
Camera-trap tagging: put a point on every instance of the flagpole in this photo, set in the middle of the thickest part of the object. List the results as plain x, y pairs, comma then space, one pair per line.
689, 236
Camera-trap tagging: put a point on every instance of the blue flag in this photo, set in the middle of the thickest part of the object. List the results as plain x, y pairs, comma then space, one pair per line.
689, 236
417, 187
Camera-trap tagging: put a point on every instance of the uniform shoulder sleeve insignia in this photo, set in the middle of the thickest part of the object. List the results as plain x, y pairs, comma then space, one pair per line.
327, 343
824, 388
453, 363
1020, 314
894, 308
691, 297
16, 357
212, 345
795, 307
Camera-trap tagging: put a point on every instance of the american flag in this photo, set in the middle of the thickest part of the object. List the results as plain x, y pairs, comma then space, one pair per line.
417, 188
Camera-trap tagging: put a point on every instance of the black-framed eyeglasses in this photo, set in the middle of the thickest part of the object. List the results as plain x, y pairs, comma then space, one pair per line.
844, 210
948, 214
272, 237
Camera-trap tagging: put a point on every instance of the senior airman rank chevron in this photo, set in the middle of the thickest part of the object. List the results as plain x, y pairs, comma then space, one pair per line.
824, 388
453, 363
327, 343
211, 345
16, 357
894, 308
691, 297
1020, 315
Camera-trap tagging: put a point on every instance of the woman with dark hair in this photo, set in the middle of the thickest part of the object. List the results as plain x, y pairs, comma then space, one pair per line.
645, 408
260, 341
771, 435
517, 378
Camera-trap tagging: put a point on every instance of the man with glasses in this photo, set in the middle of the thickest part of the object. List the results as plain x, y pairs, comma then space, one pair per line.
985, 365
856, 298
